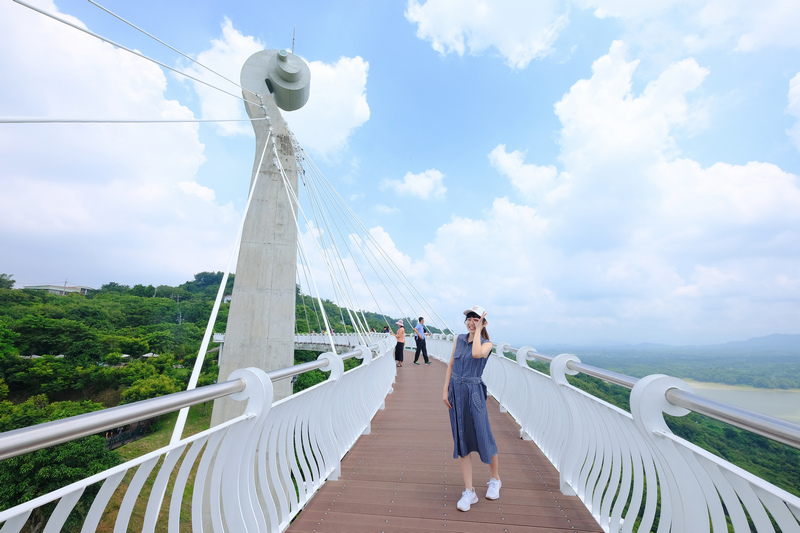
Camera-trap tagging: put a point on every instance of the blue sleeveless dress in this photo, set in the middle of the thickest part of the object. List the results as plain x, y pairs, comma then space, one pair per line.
467, 394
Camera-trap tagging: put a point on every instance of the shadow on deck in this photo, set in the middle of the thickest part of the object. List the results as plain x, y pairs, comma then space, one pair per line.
402, 477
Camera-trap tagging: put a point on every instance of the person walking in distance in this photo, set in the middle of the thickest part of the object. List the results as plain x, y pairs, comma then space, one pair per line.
419, 337
400, 335
465, 397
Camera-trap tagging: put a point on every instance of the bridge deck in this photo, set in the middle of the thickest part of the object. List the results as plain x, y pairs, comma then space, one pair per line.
402, 477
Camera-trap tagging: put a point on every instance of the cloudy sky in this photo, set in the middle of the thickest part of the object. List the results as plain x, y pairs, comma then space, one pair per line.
587, 170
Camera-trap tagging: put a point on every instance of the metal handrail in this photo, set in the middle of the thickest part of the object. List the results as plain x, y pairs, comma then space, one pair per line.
24, 440
616, 378
771, 427
29, 439
295, 370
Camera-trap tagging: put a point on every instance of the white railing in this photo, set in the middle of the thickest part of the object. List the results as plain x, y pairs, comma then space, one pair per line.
339, 339
629, 469
252, 473
257, 471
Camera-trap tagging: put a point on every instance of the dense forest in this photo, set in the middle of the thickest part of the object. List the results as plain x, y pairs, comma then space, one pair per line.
64, 355
126, 339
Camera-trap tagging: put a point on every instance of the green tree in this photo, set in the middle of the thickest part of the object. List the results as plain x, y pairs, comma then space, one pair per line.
31, 475
135, 371
150, 387
113, 286
7, 281
145, 291
7, 338
123, 344
42, 335
203, 281
113, 359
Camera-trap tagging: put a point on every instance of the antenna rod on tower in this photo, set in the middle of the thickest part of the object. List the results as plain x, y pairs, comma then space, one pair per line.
294, 30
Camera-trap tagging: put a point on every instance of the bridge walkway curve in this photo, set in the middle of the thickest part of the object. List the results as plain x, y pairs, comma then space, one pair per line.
402, 476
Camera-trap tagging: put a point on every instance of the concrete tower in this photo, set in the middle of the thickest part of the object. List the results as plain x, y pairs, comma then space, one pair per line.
260, 330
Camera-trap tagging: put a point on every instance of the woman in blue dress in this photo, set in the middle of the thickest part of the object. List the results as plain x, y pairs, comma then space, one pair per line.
465, 397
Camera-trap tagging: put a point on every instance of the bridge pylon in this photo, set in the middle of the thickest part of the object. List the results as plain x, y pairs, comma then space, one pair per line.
260, 329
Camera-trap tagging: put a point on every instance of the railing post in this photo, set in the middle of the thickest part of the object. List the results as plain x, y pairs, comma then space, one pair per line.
522, 361
683, 503
335, 366
236, 458
500, 352
365, 354
568, 461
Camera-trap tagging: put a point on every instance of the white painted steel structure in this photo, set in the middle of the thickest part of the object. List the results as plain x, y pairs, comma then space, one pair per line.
629, 469
253, 473
256, 472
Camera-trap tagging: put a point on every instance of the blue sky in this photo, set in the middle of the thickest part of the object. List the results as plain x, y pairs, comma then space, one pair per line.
587, 170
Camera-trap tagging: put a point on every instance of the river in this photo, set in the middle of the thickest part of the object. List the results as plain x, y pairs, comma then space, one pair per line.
779, 403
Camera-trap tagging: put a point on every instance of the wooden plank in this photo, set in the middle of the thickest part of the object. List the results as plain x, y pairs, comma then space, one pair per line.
402, 477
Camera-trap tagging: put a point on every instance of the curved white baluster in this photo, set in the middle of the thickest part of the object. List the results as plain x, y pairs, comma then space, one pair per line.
62, 511
648, 404
159, 488
180, 484
200, 502
15, 523
132, 494
101, 501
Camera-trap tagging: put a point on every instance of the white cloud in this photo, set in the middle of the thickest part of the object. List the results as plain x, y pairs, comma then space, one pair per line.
611, 139
336, 108
337, 104
630, 240
500, 261
98, 199
522, 31
794, 109
226, 57
425, 185
604, 123
726, 197
194, 188
519, 30
369, 269
531, 181
386, 210
708, 281
678, 26
753, 26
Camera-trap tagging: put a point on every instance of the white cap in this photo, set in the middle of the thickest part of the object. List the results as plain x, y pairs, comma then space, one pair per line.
399, 322
477, 309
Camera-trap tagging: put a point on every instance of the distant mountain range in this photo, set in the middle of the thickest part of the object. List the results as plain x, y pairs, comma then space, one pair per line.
776, 344
777, 341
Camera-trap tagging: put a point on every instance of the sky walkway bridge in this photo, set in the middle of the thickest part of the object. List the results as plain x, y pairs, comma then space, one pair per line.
402, 476
332, 457
368, 449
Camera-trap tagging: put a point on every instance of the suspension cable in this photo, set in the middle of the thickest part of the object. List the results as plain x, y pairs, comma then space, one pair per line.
36, 120
377, 246
322, 205
350, 297
369, 243
134, 52
165, 44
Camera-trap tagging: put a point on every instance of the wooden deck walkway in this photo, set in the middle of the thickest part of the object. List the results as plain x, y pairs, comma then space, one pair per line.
402, 477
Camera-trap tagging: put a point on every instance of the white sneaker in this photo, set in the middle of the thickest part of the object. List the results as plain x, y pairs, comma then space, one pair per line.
468, 497
493, 492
